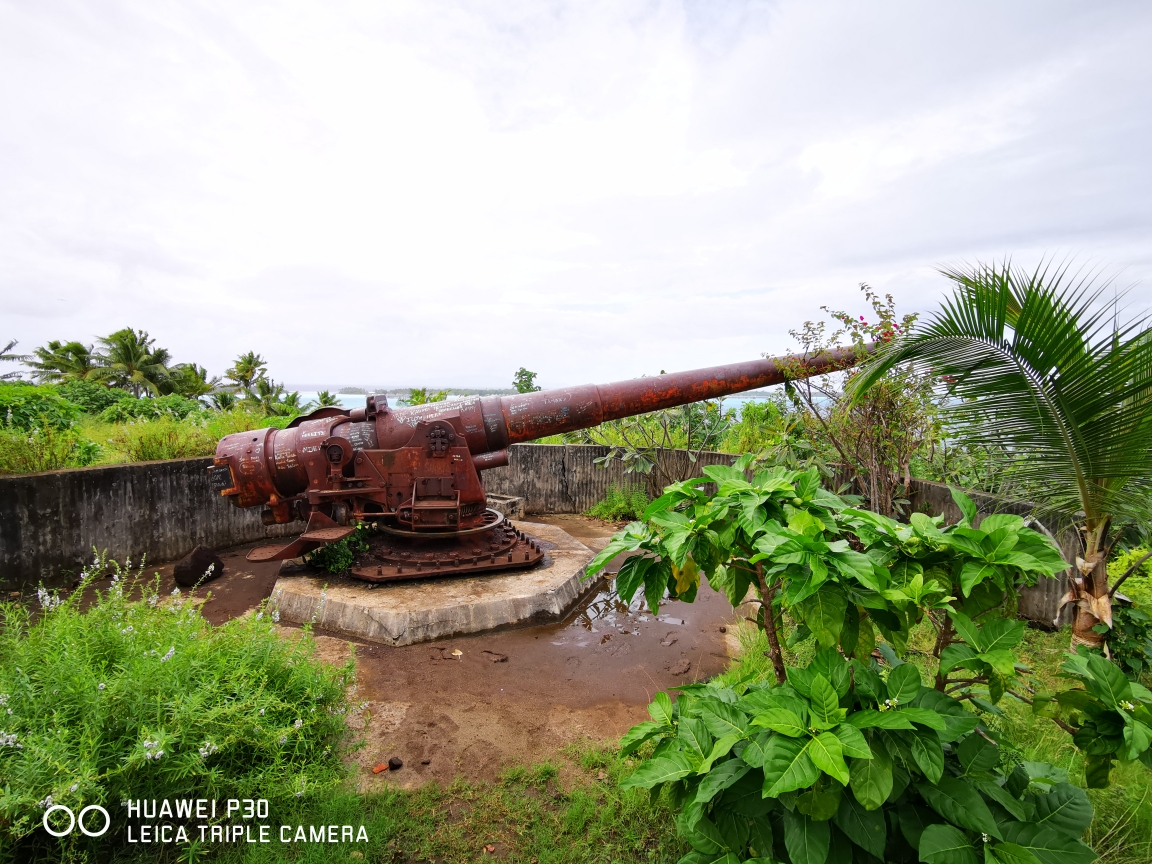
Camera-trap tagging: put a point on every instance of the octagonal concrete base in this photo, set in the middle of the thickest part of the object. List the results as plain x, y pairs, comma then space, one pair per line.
403, 613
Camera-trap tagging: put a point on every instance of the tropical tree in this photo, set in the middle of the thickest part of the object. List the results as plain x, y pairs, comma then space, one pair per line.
274, 400
223, 400
130, 360
524, 381
325, 399
1041, 366
62, 361
6, 354
190, 380
421, 396
246, 371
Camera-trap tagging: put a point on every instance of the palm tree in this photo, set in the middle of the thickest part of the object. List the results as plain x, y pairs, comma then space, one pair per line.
190, 380
324, 399
62, 361
1041, 365
222, 400
246, 371
130, 361
5, 354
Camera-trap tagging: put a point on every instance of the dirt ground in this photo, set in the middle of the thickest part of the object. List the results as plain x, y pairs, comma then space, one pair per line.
513, 696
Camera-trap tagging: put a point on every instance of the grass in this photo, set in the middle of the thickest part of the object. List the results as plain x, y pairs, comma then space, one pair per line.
553, 813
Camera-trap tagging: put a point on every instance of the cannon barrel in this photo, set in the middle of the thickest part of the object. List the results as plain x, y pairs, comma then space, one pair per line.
419, 465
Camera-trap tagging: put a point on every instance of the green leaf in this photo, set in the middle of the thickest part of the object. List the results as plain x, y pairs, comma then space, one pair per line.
820, 802
978, 754
955, 654
755, 752
1065, 808
824, 706
827, 754
1048, 845
670, 766
904, 683
960, 804
631, 576
695, 735
870, 718
975, 572
720, 749
760, 839
660, 709
1001, 633
1001, 796
615, 546
1137, 738
967, 507
1107, 682
852, 741
723, 720
637, 735
806, 841
823, 612
997, 521
781, 720
787, 766
705, 837
943, 844
655, 581
720, 778
866, 828
1003, 661
1010, 853
924, 717
871, 779
967, 630
929, 755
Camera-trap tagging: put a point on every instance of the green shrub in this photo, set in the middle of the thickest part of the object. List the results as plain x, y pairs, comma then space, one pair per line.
172, 405
843, 764
146, 700
26, 406
339, 556
620, 503
90, 397
44, 449
164, 438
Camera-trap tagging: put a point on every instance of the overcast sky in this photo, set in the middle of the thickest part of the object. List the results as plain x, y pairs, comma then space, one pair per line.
436, 193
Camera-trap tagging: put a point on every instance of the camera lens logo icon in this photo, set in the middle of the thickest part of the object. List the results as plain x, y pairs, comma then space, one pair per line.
77, 821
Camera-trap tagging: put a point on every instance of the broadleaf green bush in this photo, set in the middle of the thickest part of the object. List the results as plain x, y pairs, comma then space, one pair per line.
172, 405
27, 407
90, 397
138, 697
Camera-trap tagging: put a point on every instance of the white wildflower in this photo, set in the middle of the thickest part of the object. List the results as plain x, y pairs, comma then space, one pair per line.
48, 601
276, 616
168, 656
153, 600
261, 712
3, 699
100, 686
298, 723
74, 787
46, 803
175, 592
8, 739
127, 631
1126, 705
283, 739
259, 615
208, 749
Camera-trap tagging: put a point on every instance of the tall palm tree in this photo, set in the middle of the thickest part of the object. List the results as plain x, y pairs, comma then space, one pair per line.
1041, 364
62, 361
246, 371
130, 360
190, 380
6, 354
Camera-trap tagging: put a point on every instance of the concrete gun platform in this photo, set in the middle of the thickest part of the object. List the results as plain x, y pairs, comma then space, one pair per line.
404, 613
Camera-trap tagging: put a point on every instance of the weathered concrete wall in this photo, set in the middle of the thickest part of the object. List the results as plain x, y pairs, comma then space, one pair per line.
563, 478
50, 522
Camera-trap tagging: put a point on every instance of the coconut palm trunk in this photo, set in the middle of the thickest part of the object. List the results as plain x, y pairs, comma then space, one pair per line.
1039, 365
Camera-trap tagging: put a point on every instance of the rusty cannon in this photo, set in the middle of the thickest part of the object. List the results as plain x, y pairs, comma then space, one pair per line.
415, 471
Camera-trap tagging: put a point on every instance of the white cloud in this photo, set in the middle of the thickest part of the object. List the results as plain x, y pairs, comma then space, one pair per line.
440, 193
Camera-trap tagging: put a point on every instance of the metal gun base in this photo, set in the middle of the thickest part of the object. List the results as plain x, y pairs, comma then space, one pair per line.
420, 556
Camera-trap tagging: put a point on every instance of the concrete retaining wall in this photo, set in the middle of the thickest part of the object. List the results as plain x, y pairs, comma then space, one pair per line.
49, 523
